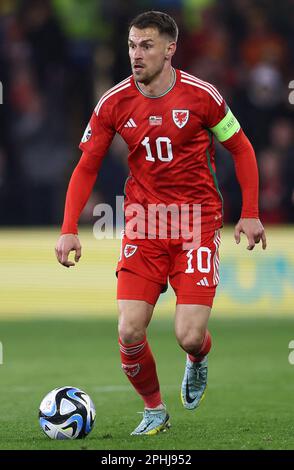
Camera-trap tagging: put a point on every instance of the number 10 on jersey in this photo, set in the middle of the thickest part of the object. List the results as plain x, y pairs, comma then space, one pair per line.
163, 147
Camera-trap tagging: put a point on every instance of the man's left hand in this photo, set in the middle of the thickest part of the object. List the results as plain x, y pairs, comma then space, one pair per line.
253, 230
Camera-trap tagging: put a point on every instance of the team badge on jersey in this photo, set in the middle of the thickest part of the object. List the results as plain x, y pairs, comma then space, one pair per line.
87, 134
130, 250
180, 117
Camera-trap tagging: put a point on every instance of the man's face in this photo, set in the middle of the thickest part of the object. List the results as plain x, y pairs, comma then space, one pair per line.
148, 50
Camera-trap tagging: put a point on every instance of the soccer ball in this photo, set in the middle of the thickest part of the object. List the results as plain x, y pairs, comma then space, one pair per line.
67, 413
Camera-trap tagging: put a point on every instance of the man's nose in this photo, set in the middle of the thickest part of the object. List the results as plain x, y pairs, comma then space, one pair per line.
137, 53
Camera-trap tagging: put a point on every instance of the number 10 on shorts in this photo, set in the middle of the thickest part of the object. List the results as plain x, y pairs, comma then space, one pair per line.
203, 260
206, 260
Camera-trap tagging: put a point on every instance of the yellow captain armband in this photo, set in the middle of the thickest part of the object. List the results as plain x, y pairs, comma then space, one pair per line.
226, 127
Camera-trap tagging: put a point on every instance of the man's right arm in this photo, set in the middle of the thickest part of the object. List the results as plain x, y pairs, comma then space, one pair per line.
95, 143
79, 190
78, 193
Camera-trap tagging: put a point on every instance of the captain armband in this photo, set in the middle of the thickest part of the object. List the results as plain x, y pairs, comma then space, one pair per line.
227, 127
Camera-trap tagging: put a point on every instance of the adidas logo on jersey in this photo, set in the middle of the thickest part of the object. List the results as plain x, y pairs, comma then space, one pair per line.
203, 282
130, 123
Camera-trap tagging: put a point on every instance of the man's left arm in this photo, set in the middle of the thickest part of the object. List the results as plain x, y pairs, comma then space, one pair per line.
247, 174
232, 137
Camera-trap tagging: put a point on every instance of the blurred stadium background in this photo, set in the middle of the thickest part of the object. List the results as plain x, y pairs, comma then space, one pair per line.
56, 58
34, 285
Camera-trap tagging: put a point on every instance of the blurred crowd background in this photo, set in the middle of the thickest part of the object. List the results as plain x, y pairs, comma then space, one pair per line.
58, 56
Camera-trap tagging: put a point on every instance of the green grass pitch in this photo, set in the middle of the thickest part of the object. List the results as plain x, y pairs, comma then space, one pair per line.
249, 402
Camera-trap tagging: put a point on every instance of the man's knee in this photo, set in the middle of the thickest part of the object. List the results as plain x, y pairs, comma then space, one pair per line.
191, 326
191, 342
134, 317
130, 333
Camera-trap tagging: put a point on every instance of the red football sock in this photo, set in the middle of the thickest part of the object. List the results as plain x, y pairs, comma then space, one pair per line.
139, 366
204, 349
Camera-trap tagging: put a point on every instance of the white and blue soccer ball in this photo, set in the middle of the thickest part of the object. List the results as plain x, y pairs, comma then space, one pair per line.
67, 413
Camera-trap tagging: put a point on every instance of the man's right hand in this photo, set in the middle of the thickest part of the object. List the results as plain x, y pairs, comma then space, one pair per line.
67, 243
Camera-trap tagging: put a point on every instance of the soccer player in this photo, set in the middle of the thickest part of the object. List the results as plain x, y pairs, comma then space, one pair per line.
169, 119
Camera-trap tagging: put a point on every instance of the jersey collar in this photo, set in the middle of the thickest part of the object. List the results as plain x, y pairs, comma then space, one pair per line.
163, 94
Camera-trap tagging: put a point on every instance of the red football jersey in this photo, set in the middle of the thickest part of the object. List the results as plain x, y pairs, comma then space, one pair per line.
171, 149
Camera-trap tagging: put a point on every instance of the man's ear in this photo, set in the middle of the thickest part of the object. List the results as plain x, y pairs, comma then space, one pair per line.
170, 50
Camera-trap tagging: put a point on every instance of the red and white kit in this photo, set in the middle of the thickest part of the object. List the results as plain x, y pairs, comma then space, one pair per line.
172, 161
